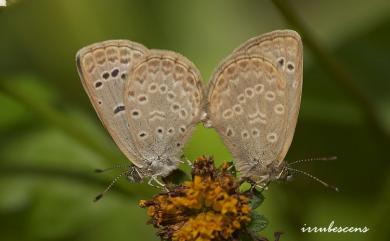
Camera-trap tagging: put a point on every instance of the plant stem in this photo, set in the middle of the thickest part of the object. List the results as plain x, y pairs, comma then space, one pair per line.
333, 67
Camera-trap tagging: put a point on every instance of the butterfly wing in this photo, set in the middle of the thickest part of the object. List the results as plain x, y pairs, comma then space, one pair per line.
284, 49
254, 103
104, 69
164, 99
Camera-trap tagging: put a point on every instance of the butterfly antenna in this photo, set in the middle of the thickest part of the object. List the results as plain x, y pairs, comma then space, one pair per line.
314, 159
98, 197
117, 166
314, 178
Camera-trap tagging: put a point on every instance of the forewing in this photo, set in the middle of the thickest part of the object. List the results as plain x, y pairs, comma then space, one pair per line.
247, 106
104, 68
164, 99
284, 49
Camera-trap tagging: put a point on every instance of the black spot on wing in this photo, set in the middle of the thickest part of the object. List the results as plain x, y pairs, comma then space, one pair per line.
98, 84
119, 108
124, 76
290, 67
115, 73
281, 61
106, 75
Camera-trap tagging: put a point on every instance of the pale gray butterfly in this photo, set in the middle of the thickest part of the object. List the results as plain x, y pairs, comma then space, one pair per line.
148, 100
253, 103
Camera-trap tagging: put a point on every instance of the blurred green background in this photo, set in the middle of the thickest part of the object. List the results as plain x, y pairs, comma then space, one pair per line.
51, 139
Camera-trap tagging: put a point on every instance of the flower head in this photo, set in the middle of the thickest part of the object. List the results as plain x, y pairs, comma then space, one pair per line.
210, 207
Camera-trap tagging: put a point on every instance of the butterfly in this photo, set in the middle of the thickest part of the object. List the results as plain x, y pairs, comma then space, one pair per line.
148, 100
253, 100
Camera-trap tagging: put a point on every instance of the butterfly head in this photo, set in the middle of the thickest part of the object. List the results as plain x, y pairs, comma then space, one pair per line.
281, 172
134, 174
285, 173
158, 165
263, 175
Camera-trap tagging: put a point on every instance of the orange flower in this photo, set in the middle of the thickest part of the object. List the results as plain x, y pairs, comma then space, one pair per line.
210, 207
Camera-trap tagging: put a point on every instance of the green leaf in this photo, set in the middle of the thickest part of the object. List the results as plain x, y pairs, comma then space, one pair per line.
258, 223
257, 198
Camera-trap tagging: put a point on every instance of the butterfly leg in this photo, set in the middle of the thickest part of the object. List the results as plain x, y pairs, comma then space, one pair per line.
150, 183
263, 182
253, 185
262, 187
181, 158
160, 184
230, 168
154, 178
189, 163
